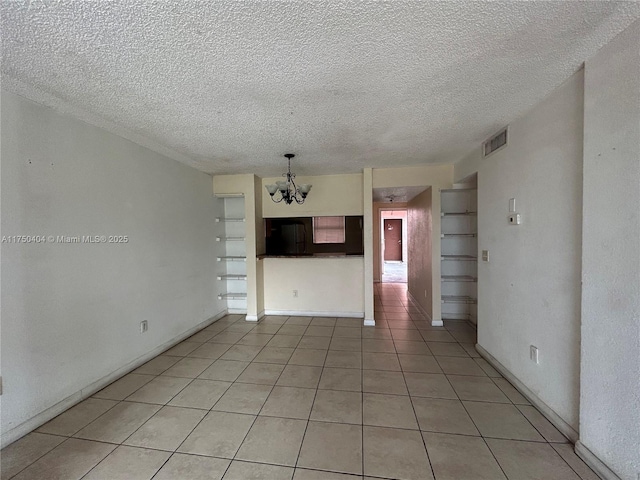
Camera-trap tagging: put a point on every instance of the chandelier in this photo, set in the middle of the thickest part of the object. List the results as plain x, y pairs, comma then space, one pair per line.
287, 188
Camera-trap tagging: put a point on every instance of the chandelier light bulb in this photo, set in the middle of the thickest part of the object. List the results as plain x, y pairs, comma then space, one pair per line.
289, 191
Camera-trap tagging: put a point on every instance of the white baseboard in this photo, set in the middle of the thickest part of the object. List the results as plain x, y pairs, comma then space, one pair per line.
307, 313
255, 318
369, 322
43, 417
566, 429
594, 462
434, 321
237, 311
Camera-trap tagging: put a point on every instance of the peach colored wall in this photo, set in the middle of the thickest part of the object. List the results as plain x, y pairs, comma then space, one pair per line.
441, 175
330, 195
420, 269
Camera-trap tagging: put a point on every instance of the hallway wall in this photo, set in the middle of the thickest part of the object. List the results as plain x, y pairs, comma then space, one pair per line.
420, 212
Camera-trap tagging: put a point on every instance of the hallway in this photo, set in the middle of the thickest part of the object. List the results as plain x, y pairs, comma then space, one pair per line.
300, 397
394, 272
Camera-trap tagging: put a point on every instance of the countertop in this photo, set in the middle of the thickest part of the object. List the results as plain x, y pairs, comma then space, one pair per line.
314, 255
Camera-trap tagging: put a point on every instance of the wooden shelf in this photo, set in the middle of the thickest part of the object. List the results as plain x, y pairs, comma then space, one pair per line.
229, 276
232, 259
459, 275
232, 235
232, 296
458, 214
229, 195
458, 278
458, 258
460, 235
462, 299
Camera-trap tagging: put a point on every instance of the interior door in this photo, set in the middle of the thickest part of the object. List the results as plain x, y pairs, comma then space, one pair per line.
393, 240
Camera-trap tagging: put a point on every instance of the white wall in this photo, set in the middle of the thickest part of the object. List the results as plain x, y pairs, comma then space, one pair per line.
71, 312
529, 292
610, 386
326, 286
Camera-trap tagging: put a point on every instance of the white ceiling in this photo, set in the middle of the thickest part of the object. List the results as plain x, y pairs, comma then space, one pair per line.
229, 86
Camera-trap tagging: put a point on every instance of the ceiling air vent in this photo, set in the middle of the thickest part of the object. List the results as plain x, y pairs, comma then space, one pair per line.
495, 143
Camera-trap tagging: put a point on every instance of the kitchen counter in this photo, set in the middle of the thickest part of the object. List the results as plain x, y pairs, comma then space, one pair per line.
315, 255
327, 285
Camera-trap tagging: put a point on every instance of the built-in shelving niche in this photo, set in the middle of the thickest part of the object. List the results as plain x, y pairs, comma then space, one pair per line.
232, 261
459, 247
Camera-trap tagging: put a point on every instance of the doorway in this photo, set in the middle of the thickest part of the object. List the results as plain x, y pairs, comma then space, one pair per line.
393, 240
393, 245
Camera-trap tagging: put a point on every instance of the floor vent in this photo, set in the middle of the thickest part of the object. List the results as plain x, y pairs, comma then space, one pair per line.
495, 143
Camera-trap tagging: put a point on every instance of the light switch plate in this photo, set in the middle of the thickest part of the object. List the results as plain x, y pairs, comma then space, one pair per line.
485, 255
533, 353
514, 219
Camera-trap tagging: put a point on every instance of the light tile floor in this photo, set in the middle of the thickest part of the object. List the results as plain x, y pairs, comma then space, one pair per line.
306, 398
394, 272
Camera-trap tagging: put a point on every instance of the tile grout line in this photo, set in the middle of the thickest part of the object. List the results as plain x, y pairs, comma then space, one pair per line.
210, 409
215, 403
315, 395
362, 449
388, 325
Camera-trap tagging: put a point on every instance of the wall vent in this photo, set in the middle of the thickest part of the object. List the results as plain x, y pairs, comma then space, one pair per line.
495, 143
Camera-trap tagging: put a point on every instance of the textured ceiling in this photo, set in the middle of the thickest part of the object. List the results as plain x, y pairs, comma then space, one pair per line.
229, 86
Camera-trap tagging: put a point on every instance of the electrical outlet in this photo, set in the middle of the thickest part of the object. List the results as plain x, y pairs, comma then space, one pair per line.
295, 293
533, 353
144, 326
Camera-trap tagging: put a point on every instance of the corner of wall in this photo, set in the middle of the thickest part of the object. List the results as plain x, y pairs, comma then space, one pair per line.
468, 165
